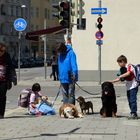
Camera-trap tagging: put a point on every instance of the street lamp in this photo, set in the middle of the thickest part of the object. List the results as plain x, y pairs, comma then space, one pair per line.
23, 6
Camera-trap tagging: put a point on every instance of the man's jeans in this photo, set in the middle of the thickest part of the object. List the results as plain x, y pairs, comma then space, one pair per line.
68, 91
132, 99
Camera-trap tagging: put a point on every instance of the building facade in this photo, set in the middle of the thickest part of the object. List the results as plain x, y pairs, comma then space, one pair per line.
121, 36
9, 11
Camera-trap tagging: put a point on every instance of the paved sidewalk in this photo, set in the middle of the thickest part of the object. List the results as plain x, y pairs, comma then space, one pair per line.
19, 126
50, 83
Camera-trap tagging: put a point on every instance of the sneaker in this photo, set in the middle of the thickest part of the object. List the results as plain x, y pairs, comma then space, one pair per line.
133, 116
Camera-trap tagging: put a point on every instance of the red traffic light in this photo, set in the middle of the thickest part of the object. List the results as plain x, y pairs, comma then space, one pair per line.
99, 19
64, 5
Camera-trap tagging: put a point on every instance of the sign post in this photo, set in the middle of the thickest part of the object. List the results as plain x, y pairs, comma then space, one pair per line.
100, 51
99, 35
20, 25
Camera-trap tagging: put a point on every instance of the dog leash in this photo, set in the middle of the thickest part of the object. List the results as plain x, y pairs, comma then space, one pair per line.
56, 95
90, 93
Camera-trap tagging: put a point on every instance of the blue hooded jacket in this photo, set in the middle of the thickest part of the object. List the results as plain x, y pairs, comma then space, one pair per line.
67, 63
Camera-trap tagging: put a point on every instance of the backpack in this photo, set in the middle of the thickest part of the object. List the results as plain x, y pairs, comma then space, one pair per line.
137, 72
24, 98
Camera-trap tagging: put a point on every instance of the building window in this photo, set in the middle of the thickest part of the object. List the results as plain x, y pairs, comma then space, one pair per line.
32, 27
37, 27
32, 11
46, 13
3, 10
2, 28
12, 10
37, 12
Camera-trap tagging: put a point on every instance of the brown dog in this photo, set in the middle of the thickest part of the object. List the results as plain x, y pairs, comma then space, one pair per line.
85, 105
69, 111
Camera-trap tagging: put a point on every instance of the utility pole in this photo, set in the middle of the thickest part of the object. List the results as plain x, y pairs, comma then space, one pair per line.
45, 55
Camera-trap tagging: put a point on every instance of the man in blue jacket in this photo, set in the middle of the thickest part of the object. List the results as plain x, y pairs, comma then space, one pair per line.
68, 72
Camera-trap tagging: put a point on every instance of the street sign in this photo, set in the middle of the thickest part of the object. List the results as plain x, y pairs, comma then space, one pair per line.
98, 11
20, 24
99, 42
99, 35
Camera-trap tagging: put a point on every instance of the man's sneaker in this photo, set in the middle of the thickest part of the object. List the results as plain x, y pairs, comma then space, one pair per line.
133, 116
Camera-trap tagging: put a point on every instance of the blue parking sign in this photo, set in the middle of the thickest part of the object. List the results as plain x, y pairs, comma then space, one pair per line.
99, 42
20, 24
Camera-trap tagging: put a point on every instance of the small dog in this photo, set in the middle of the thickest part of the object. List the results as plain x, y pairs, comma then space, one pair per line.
85, 106
109, 106
69, 111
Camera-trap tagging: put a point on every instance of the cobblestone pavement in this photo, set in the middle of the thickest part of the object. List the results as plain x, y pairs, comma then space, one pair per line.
17, 125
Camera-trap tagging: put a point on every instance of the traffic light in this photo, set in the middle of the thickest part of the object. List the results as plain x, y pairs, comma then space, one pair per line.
99, 24
81, 22
56, 12
63, 13
64, 19
81, 10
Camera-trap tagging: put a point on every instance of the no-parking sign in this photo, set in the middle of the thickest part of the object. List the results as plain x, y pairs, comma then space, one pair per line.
99, 35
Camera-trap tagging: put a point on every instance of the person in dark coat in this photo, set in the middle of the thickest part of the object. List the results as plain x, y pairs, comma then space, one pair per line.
7, 77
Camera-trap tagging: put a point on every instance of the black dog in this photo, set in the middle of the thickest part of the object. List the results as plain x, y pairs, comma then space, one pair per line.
85, 106
109, 106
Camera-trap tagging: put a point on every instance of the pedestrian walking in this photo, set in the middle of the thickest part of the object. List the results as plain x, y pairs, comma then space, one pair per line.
7, 77
131, 84
54, 65
68, 72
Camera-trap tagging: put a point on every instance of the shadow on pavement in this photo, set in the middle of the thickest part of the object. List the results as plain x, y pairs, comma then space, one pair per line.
72, 132
16, 117
122, 116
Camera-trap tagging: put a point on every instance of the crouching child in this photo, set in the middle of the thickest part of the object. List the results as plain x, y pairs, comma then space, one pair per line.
35, 102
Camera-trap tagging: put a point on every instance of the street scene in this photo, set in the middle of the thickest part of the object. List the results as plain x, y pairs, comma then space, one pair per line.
69, 70
19, 125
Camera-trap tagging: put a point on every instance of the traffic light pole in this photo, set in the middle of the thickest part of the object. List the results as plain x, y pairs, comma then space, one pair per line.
68, 30
80, 14
99, 55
